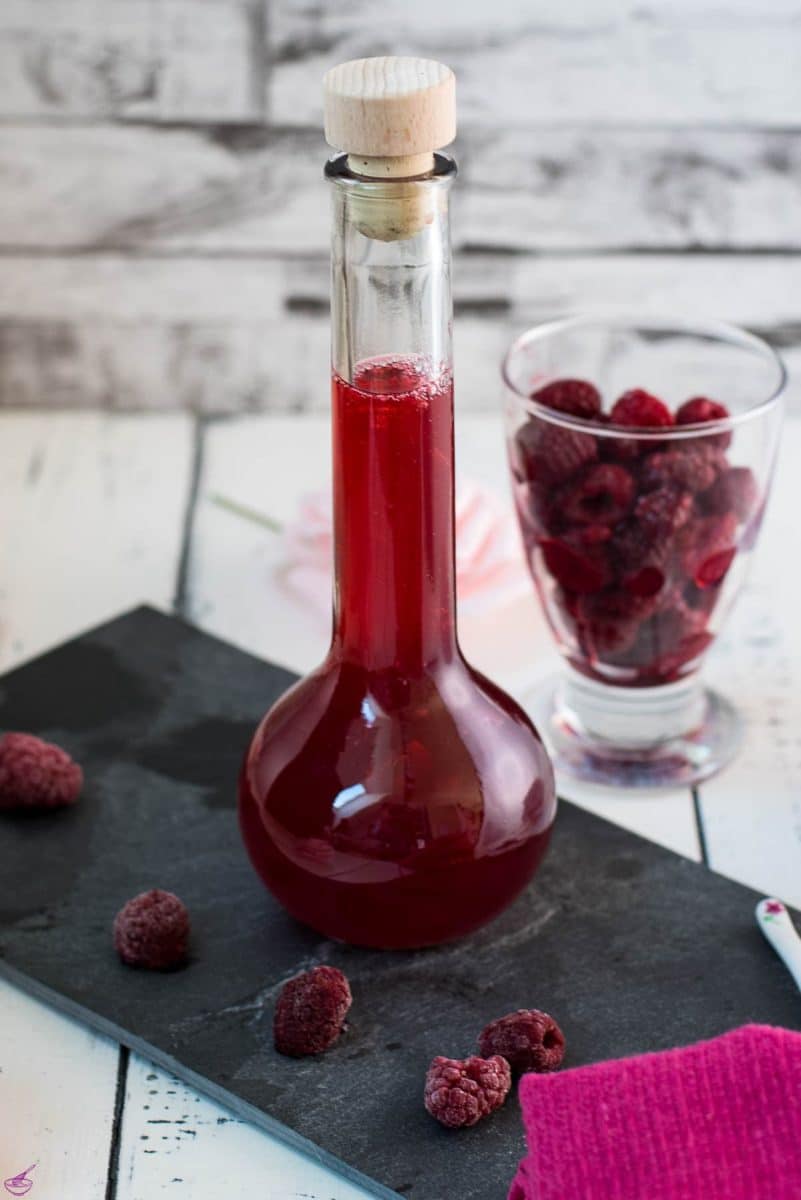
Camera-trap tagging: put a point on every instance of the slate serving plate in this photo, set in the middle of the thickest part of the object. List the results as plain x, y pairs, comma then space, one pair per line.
630, 946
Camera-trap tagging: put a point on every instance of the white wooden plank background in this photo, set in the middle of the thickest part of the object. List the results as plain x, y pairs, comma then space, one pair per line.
225, 335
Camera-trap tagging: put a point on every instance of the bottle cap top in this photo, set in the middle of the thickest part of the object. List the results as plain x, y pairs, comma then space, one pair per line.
379, 108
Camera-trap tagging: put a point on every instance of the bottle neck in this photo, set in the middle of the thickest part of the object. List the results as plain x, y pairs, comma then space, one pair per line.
392, 395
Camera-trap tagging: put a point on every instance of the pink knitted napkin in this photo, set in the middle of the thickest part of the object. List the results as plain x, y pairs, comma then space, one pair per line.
720, 1120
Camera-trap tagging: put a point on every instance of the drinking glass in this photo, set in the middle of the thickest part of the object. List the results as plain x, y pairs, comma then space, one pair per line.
639, 538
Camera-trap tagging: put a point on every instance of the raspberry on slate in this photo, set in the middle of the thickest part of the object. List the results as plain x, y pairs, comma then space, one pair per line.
311, 1011
575, 397
701, 409
459, 1092
528, 1039
36, 774
152, 930
548, 453
603, 492
639, 409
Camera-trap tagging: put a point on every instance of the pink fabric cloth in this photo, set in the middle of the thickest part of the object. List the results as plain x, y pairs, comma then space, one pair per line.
720, 1120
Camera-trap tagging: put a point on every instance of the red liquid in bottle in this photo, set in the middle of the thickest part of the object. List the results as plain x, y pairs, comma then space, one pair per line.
395, 797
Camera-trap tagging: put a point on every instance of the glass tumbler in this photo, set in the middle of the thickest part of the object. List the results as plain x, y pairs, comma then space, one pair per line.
641, 452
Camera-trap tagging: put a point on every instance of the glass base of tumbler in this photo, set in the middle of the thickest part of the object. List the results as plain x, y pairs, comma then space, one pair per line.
662, 737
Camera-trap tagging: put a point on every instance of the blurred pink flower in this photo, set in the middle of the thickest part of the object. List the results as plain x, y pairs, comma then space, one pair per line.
489, 562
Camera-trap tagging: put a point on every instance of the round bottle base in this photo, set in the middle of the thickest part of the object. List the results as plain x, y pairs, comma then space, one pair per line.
665, 737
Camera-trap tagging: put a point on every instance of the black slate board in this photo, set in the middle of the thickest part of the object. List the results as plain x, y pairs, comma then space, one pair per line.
632, 947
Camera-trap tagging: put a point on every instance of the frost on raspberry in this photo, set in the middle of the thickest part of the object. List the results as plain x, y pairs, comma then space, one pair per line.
576, 397
311, 1011
152, 930
601, 494
551, 454
36, 774
460, 1092
693, 468
528, 1039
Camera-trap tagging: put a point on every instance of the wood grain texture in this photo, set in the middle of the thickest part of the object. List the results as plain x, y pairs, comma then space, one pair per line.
178, 1143
227, 335
132, 59
57, 1085
255, 191
596, 61
91, 520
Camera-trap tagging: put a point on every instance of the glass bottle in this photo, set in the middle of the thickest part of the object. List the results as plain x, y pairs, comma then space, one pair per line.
394, 797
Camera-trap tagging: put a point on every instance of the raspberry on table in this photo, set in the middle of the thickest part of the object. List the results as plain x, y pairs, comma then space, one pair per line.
602, 493
36, 774
152, 930
460, 1092
699, 410
575, 397
734, 491
311, 1011
640, 409
528, 1039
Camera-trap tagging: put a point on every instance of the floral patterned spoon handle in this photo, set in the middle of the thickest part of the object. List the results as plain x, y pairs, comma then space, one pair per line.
774, 921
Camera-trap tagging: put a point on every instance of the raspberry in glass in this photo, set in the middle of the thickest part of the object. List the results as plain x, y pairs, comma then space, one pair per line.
575, 397
638, 409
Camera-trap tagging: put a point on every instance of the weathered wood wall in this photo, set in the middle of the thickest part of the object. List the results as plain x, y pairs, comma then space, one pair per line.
163, 222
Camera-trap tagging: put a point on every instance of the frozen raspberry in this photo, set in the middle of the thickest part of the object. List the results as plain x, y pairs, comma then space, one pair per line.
693, 468
152, 930
734, 491
577, 565
311, 1011
608, 622
528, 1039
549, 454
698, 411
647, 538
459, 1092
708, 547
603, 492
674, 636
573, 396
36, 774
639, 409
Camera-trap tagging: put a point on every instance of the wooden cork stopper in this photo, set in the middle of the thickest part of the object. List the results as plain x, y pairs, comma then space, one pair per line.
390, 108
390, 115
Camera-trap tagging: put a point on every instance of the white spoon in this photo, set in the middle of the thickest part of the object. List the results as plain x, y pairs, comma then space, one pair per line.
774, 921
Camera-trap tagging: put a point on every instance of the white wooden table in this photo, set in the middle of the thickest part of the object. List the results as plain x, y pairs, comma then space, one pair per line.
100, 512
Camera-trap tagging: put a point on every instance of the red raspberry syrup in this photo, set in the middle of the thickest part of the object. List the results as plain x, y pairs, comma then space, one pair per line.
395, 797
